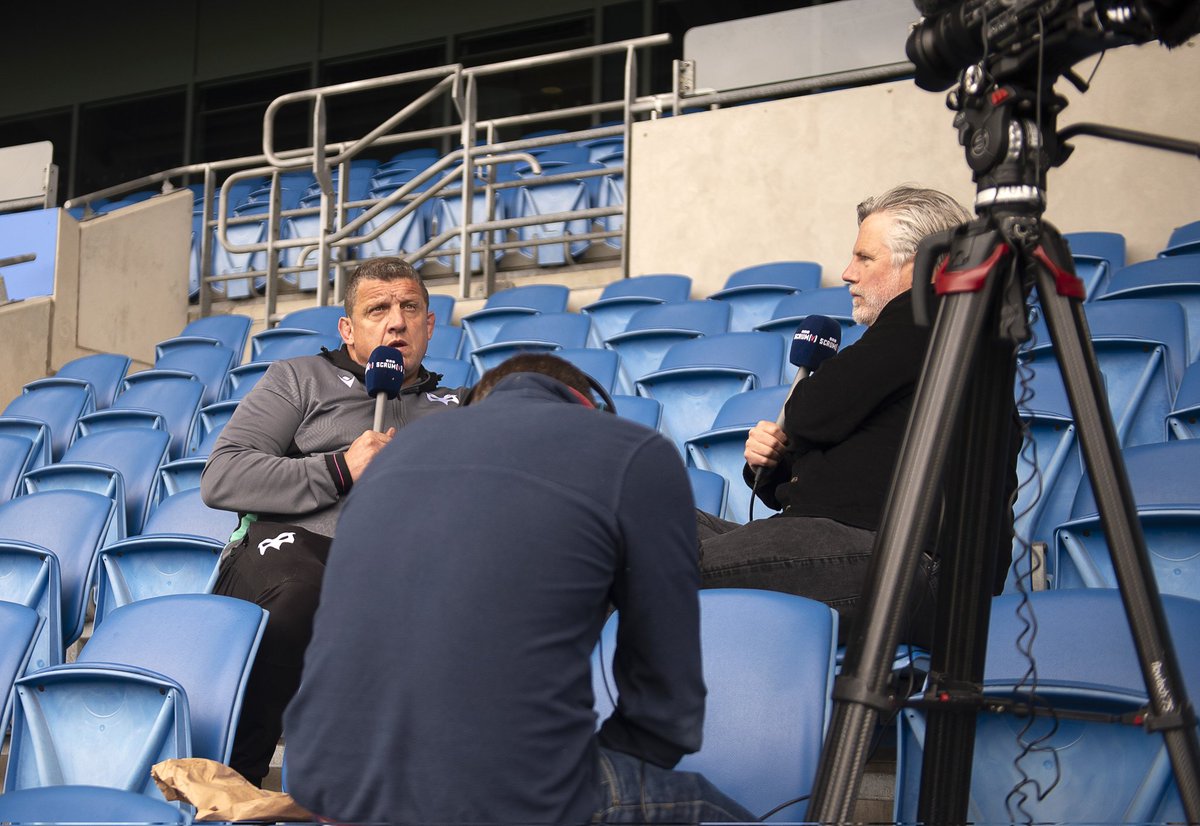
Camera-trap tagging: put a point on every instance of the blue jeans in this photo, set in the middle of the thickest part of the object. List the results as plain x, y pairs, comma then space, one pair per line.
639, 792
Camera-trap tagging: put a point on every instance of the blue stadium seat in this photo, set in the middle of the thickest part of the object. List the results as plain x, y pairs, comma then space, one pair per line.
1166, 490
1100, 771
232, 263
56, 402
397, 235
99, 725
94, 804
103, 371
768, 664
532, 333
132, 454
205, 642
653, 330
18, 455
501, 307
285, 343
644, 411
1097, 255
241, 380
178, 476
446, 342
34, 431
209, 362
442, 307
619, 300
600, 147
1184, 240
31, 579
602, 365
231, 330
209, 423
184, 513
709, 490
18, 628
73, 525
322, 320
547, 199
698, 376
753, 292
721, 448
172, 394
455, 372
1176, 278
446, 214
611, 193
153, 566
1141, 349
1181, 423
1049, 464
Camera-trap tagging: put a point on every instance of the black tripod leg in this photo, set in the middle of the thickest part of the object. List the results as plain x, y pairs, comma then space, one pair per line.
973, 529
860, 692
1139, 591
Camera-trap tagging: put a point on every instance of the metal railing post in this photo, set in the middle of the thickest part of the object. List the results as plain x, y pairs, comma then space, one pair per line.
321, 172
206, 245
272, 283
627, 114
468, 191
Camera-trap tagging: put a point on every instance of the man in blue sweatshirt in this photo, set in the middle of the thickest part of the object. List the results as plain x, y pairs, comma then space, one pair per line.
449, 675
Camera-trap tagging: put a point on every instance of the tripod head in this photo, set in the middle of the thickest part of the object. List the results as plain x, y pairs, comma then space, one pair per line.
1004, 56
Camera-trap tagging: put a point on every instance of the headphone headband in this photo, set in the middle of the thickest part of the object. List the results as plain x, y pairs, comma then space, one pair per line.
606, 402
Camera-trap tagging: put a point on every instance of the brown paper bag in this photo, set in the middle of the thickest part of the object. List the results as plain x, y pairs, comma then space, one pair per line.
220, 793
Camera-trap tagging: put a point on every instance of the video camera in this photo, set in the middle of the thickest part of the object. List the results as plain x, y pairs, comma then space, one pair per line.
1007, 36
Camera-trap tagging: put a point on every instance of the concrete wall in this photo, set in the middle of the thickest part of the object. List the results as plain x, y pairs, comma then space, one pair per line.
25, 348
715, 191
133, 276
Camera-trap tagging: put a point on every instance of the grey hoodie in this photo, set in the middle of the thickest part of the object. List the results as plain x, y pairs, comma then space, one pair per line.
281, 456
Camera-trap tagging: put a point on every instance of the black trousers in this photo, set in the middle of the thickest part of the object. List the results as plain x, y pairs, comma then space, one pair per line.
278, 567
810, 556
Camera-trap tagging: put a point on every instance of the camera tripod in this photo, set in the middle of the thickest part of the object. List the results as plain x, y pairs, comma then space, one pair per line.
956, 445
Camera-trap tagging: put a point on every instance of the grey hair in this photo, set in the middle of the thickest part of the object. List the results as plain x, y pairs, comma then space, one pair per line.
915, 213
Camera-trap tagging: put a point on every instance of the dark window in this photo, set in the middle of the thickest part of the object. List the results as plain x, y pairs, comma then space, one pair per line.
349, 117
524, 91
229, 116
129, 139
49, 126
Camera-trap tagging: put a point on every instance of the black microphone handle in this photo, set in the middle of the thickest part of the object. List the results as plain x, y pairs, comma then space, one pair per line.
380, 401
801, 374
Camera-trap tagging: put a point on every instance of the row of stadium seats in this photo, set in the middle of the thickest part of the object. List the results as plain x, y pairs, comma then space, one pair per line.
594, 178
728, 762
163, 679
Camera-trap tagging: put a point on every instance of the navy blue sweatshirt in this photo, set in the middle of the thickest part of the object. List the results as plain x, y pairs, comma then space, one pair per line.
449, 677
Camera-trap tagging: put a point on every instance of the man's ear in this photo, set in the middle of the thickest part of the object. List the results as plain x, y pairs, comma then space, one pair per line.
346, 330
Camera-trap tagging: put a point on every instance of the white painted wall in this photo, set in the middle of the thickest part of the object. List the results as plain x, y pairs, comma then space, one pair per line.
715, 191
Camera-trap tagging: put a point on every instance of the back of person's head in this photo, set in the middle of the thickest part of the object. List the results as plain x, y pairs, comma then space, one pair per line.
547, 365
915, 212
382, 269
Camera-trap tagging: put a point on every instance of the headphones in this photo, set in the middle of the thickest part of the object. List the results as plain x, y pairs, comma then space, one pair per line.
603, 399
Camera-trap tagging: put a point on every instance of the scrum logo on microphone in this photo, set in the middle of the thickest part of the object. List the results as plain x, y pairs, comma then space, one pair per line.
386, 363
813, 338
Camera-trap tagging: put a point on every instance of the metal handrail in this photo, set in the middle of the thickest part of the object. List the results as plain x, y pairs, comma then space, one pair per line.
448, 76
453, 76
462, 164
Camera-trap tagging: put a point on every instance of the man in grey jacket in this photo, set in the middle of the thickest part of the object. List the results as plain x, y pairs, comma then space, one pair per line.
285, 463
